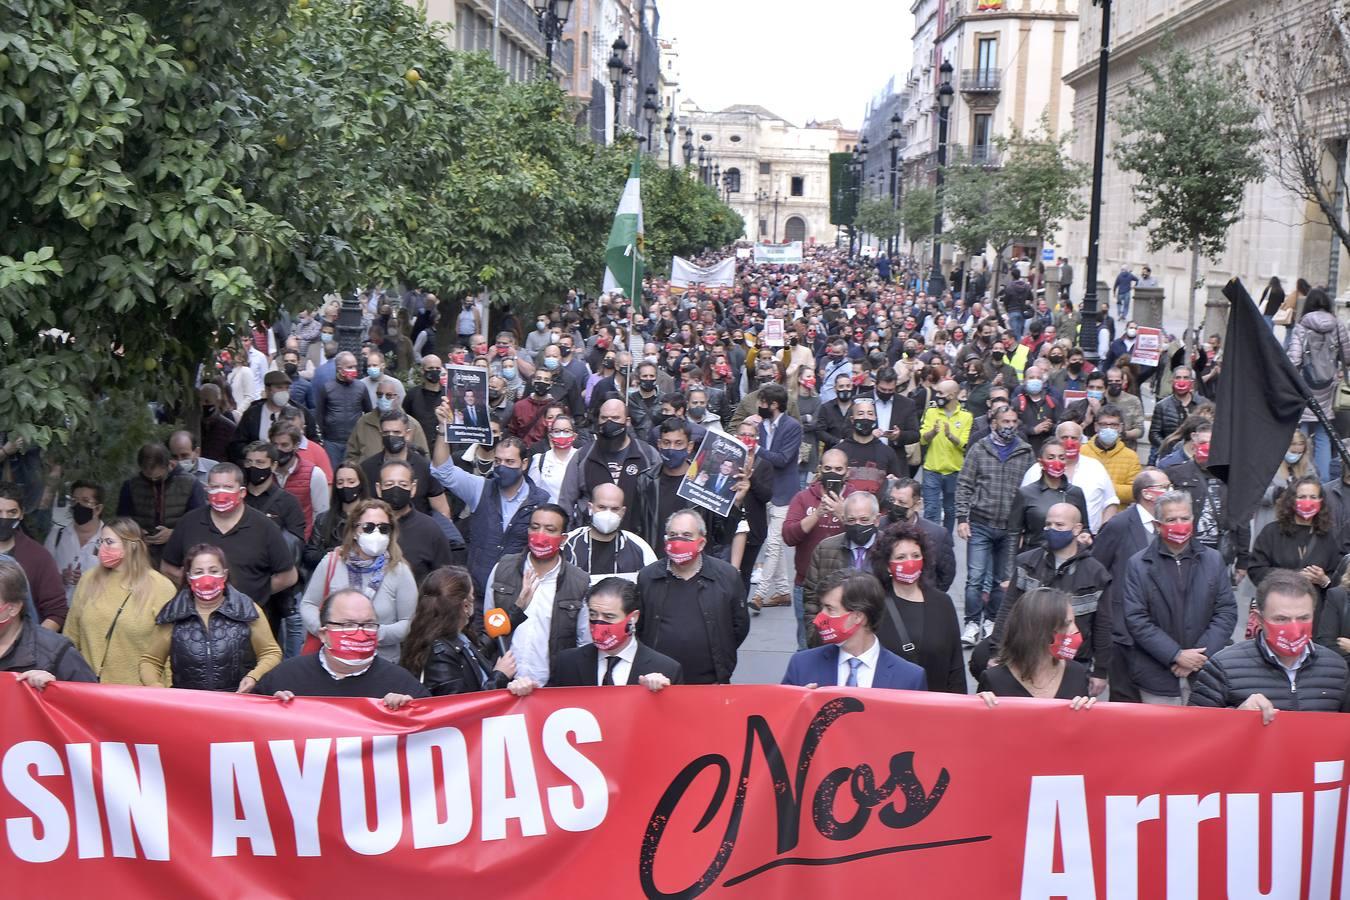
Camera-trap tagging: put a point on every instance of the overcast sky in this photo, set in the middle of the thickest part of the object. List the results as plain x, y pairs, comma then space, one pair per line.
802, 60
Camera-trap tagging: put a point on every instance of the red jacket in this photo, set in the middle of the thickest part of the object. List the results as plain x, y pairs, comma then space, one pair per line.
805, 542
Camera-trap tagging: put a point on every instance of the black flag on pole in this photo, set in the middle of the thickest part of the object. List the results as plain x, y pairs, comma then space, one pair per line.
1259, 402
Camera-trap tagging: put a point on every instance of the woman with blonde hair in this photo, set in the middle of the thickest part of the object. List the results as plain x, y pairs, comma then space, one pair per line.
368, 559
112, 615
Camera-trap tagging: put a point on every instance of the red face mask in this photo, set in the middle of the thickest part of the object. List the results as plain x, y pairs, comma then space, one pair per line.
602, 343
608, 635
750, 442
681, 552
1071, 448
352, 646
832, 629
562, 443
1178, 532
223, 501
1182, 385
110, 556
207, 587
1288, 639
348, 374
1054, 467
906, 571
1065, 646
545, 546
1308, 507
1202, 453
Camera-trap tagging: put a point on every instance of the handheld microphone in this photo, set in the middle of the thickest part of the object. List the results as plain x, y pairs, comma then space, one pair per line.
498, 625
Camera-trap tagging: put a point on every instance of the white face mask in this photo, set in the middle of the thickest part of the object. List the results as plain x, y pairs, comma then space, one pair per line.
373, 544
281, 398
606, 521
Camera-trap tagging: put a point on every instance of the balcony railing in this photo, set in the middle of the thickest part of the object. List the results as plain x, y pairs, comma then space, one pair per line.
984, 156
981, 81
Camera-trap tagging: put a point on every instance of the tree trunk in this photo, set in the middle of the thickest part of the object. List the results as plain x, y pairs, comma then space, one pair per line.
1190, 310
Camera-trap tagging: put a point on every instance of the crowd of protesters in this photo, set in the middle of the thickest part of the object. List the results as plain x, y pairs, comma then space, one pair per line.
309, 530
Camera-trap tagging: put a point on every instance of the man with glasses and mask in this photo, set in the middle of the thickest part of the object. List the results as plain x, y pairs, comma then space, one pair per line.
347, 664
861, 515
366, 439
74, 547
499, 506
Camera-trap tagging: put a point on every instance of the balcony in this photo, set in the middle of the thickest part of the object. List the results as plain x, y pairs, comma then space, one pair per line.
985, 156
981, 81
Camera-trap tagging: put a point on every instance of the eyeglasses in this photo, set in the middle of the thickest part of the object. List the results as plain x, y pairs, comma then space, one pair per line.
363, 627
372, 527
105, 542
386, 396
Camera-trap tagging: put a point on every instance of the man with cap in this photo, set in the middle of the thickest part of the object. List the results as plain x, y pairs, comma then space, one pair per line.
257, 421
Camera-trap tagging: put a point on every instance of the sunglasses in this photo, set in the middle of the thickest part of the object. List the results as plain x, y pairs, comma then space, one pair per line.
372, 527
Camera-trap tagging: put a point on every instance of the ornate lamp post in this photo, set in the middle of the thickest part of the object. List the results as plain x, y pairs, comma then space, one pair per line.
936, 282
618, 69
893, 142
552, 15
651, 110
670, 139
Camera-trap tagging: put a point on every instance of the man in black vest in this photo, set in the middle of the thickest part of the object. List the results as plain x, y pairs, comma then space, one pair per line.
543, 594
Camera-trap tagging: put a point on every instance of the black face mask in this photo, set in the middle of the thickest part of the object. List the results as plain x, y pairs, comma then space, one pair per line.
256, 476
494, 397
565, 350
863, 427
885, 396
1114, 389
396, 497
483, 466
7, 528
349, 494
844, 396
860, 534
832, 483
393, 443
82, 514
540, 388
765, 412
208, 412
285, 459
432, 375
291, 369
1075, 367
612, 431
647, 384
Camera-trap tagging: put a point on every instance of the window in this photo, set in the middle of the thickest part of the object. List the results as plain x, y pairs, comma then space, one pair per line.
585, 50
798, 186
733, 177
763, 227
986, 53
982, 148
764, 168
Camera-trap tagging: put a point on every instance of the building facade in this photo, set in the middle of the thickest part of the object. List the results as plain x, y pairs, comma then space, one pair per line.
1276, 233
507, 30
774, 173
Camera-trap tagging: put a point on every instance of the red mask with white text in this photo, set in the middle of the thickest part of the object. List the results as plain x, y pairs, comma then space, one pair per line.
681, 552
832, 629
1202, 453
906, 571
353, 647
1182, 385
207, 587
545, 546
1289, 638
1054, 467
1065, 646
224, 502
1308, 507
1071, 448
608, 635
1177, 532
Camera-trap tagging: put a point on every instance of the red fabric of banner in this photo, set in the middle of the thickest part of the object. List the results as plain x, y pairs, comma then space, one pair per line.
734, 792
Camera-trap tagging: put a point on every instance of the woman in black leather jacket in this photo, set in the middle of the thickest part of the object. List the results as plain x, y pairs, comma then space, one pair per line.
438, 650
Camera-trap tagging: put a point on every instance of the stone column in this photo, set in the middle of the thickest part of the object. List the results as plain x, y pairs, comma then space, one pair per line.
1216, 313
1147, 304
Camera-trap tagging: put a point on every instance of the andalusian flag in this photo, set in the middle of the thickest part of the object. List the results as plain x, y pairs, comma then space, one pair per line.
623, 253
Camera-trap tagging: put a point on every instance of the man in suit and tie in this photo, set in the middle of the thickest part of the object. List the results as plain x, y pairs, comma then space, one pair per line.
615, 656
724, 482
1120, 538
779, 445
851, 606
473, 416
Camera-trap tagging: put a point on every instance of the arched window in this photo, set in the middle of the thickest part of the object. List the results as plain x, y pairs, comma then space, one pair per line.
733, 177
794, 229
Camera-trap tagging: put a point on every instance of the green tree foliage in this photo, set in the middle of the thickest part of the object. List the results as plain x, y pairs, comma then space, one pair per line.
682, 217
878, 217
171, 171
918, 208
1039, 185
1190, 135
843, 193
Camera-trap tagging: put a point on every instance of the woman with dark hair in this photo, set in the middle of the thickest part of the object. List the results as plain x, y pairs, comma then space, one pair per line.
1319, 348
1300, 539
349, 488
1036, 655
1272, 298
920, 624
441, 649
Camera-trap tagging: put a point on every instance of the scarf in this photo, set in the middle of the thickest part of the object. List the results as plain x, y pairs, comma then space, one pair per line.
1003, 450
366, 575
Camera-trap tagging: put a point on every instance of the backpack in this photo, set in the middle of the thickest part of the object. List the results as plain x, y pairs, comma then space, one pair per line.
1320, 357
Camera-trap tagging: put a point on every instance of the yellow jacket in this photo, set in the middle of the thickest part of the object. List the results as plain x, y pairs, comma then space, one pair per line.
1121, 463
945, 456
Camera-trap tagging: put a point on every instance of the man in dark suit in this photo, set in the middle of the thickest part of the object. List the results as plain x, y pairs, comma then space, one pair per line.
779, 445
851, 607
724, 481
615, 657
1120, 538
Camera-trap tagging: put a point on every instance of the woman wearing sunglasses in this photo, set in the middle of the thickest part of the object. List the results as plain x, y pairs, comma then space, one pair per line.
369, 560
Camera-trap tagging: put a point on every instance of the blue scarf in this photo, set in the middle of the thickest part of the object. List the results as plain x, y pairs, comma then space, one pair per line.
1003, 450
366, 575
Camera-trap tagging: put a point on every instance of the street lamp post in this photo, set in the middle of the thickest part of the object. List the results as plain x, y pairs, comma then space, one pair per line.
776, 200
855, 171
651, 109
1089, 305
552, 15
617, 69
703, 164
761, 196
716, 179
893, 142
670, 139
936, 282
688, 146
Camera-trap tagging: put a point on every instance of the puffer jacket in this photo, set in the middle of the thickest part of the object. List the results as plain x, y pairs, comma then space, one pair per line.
213, 656
1250, 667
1321, 322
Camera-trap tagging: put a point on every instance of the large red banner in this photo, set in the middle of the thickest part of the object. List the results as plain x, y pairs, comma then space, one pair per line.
755, 792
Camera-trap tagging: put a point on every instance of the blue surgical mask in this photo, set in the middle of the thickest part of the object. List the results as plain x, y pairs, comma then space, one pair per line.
373, 371
674, 458
1056, 539
508, 476
1292, 458
1095, 395
326, 337
551, 362
1107, 437
509, 373
1034, 385
384, 404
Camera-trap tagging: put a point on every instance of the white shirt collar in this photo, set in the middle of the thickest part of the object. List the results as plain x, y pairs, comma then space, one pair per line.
627, 654
1144, 515
868, 656
338, 676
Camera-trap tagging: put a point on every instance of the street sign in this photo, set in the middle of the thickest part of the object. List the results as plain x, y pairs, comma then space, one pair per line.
1047, 254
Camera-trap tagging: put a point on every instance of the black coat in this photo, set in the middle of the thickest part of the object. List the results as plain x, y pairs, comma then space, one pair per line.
1085, 580
41, 648
833, 426
1234, 538
1333, 620
939, 650
1032, 504
452, 668
214, 655
251, 419
579, 667
721, 598
1120, 538
1277, 549
1235, 673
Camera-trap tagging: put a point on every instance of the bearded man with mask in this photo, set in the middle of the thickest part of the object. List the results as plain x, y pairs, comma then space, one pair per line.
421, 402
1281, 669
616, 456
544, 595
396, 446
527, 418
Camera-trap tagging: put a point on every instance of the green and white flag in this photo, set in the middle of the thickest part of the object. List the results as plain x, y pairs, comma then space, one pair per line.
623, 253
